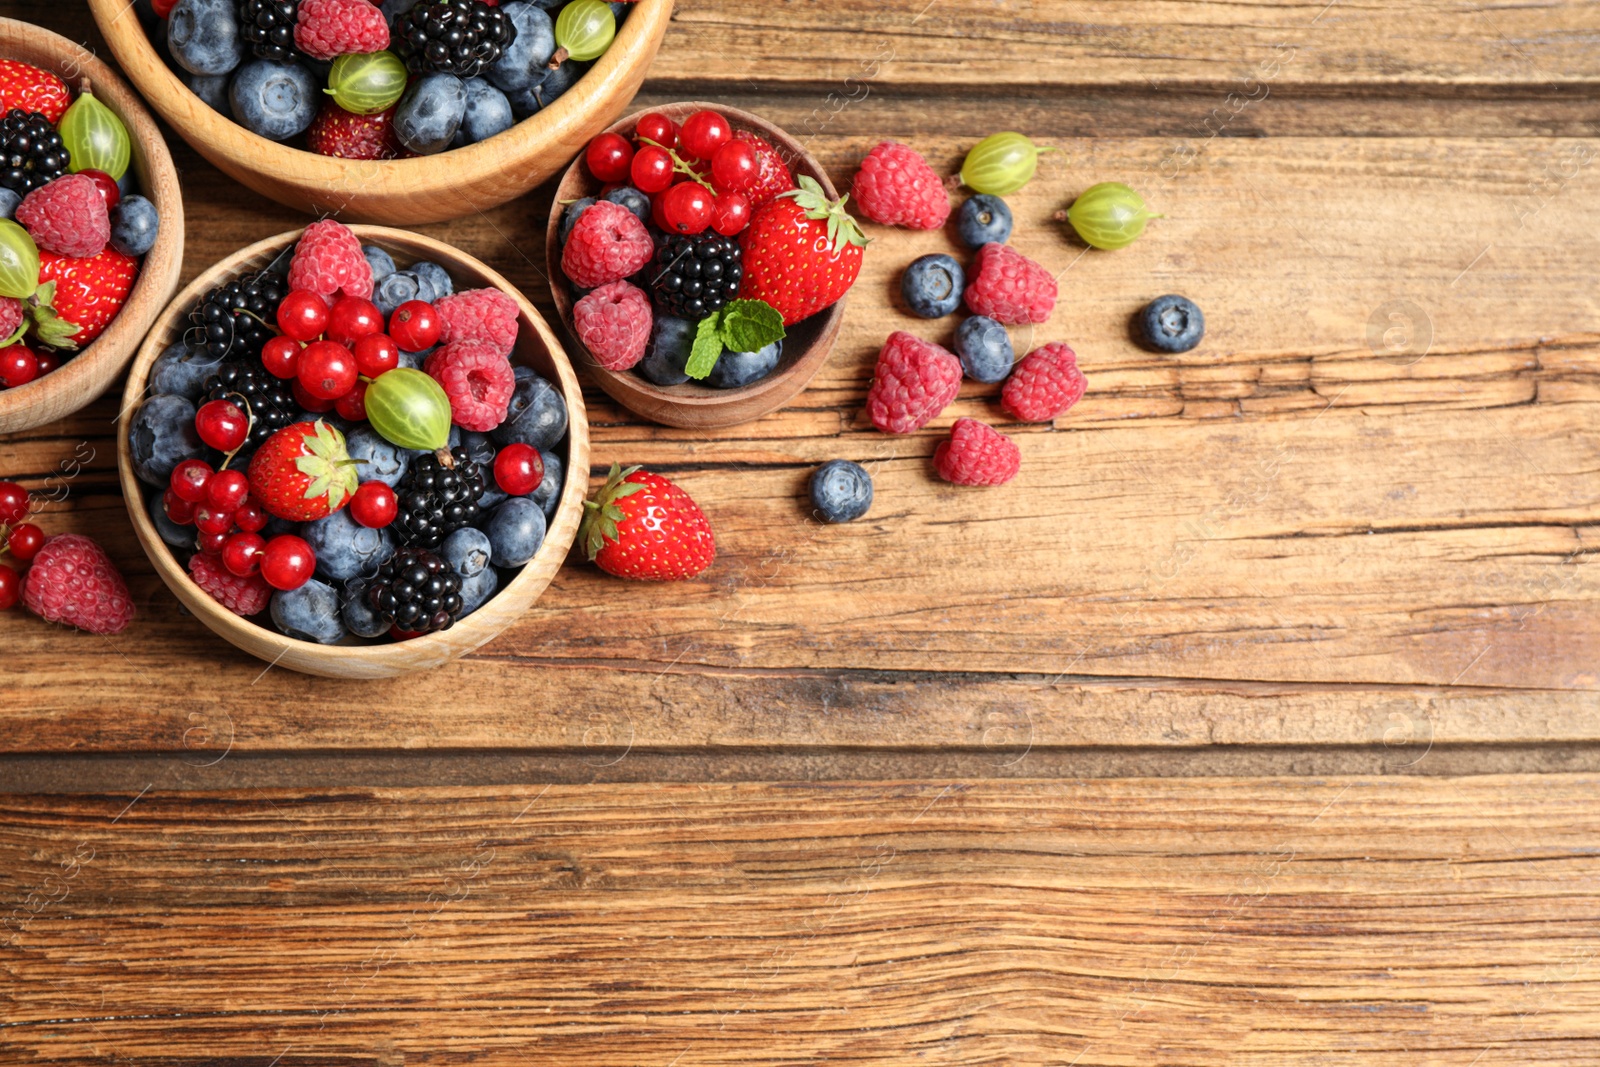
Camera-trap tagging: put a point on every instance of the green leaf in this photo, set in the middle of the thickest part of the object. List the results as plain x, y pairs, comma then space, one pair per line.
750, 325
707, 347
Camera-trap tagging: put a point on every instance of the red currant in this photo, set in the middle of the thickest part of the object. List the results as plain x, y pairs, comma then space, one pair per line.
210, 543
25, 541
107, 186
353, 405
208, 519
251, 516
378, 352
315, 404
226, 490
189, 480
10, 588
374, 505
652, 169
221, 425
518, 469
687, 207
47, 362
287, 562
609, 156
734, 167
327, 369
352, 318
281, 356
14, 502
703, 133
658, 128
18, 365
179, 510
415, 326
303, 315
732, 214
241, 553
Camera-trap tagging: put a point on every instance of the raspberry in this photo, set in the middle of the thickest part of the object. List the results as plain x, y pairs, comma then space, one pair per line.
67, 217
897, 188
485, 315
1045, 384
772, 173
479, 381
607, 243
242, 596
1010, 287
613, 322
976, 455
914, 381
328, 260
337, 132
10, 317
72, 581
327, 29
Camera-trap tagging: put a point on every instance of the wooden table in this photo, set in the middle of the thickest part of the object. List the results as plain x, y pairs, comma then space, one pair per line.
1255, 723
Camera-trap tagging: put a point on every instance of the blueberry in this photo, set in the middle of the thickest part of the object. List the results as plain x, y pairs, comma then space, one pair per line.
480, 449
203, 36
932, 285
548, 495
516, 530
632, 199
619, 10
395, 289
309, 613
476, 591
984, 219
9, 199
415, 360
275, 100
1171, 323
488, 111
841, 491
380, 461
671, 340
985, 349
435, 278
537, 415
381, 262
467, 550
133, 225
212, 89
529, 101
356, 612
160, 436
393, 9
174, 535
430, 112
735, 369
181, 370
522, 64
569, 217
344, 548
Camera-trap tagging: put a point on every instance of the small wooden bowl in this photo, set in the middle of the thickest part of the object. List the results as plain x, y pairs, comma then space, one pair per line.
537, 347
692, 405
449, 185
85, 377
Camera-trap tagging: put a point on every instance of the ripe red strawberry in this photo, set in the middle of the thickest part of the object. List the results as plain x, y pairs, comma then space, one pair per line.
26, 86
772, 173
337, 132
303, 472
802, 252
84, 295
641, 526
72, 581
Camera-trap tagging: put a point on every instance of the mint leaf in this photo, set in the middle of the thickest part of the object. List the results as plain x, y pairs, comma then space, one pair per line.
707, 346
750, 325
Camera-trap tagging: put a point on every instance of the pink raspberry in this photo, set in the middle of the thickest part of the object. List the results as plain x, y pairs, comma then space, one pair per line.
897, 188
242, 596
607, 243
72, 581
613, 322
327, 29
10, 317
67, 217
328, 260
1010, 287
485, 315
1045, 384
479, 381
977, 455
914, 381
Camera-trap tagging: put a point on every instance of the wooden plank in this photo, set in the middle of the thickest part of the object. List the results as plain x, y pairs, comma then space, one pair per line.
1192, 921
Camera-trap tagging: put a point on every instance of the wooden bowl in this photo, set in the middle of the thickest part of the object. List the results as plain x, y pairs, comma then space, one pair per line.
402, 191
537, 347
692, 405
83, 378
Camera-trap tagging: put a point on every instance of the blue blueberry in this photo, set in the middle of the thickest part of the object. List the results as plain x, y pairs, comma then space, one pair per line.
671, 340
346, 549
379, 461
309, 613
516, 530
522, 64
415, 360
632, 199
985, 349
480, 449
537, 414
393, 9
160, 436
736, 369
133, 225
435, 277
529, 101
548, 495
476, 591
175, 536
619, 10
841, 491
397, 288
212, 89
984, 219
356, 612
467, 550
274, 100
488, 111
932, 285
181, 370
381, 262
1171, 323
569, 217
430, 112
9, 199
203, 36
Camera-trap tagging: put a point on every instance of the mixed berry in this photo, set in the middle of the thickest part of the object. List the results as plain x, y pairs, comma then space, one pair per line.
352, 466
66, 579
71, 227
361, 80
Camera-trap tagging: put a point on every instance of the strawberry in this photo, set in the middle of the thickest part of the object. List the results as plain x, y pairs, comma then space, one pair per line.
337, 132
303, 472
32, 89
802, 252
77, 298
641, 526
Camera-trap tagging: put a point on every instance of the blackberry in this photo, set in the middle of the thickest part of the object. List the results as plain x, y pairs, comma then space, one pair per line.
270, 401
234, 319
460, 37
31, 153
695, 275
268, 27
416, 591
436, 501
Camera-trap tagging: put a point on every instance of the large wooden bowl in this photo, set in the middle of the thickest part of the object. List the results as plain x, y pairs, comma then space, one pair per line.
425, 189
692, 405
82, 379
537, 347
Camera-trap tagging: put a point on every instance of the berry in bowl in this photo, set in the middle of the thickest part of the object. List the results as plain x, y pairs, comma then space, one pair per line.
700, 258
347, 451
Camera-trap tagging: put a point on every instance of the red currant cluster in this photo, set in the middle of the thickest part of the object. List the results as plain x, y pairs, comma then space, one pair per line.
20, 364
21, 540
329, 354
697, 176
228, 521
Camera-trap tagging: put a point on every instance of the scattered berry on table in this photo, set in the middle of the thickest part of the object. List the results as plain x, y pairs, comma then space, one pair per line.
269, 402
841, 491
29, 88
67, 216
607, 244
25, 541
328, 261
692, 276
459, 37
436, 500
231, 319
1010, 288
1109, 215
671, 342
303, 472
1044, 385
486, 316
242, 596
613, 322
516, 529
896, 187
913, 382
346, 135
642, 526
1000, 164
478, 380
801, 253
287, 562
345, 547
327, 29
976, 454
73, 582
417, 592
1171, 323
982, 220
309, 612
134, 225
772, 176
14, 503
274, 100
31, 152
931, 286
203, 36
160, 436
734, 370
